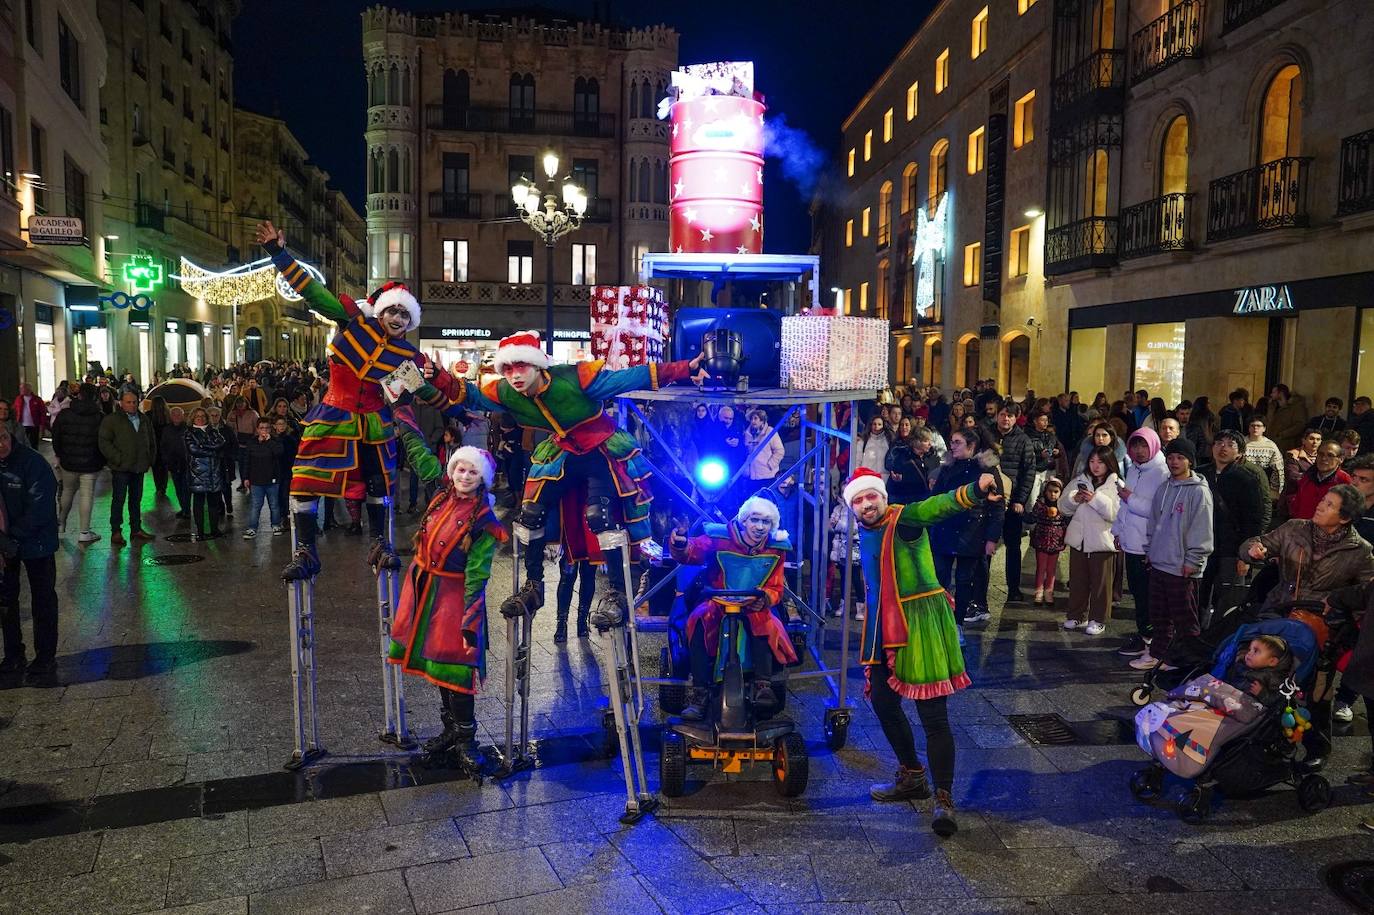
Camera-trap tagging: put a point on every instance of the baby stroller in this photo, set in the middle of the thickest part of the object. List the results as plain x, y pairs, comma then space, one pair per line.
1250, 752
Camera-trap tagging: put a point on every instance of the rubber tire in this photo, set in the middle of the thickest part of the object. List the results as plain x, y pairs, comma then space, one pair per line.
1140, 696
672, 697
836, 734
791, 765
1147, 783
672, 765
1314, 794
1196, 805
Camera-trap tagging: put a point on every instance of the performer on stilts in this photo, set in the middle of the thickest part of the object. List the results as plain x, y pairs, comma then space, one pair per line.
586, 475
910, 640
440, 629
348, 449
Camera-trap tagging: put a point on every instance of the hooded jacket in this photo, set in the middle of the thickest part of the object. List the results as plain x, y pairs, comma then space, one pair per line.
1181, 530
1132, 524
28, 501
76, 437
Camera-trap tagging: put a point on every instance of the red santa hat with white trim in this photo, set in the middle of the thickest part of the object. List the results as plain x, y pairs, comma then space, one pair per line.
522, 346
387, 295
862, 481
477, 457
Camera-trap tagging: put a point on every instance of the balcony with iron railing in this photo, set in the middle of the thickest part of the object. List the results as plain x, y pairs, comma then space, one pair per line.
151, 217
1175, 36
1239, 12
493, 119
1156, 226
1356, 189
1259, 199
444, 205
1084, 244
1098, 77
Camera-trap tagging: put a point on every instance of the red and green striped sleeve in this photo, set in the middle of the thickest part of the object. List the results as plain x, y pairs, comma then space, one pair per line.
319, 298
937, 508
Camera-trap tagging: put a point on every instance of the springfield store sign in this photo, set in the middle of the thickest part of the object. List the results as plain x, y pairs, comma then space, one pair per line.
1263, 300
486, 333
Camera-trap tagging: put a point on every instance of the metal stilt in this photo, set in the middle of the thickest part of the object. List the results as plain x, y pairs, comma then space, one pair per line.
304, 695
515, 754
387, 568
623, 682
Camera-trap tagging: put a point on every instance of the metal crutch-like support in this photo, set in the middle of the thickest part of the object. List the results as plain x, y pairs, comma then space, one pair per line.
304, 696
516, 756
387, 568
626, 694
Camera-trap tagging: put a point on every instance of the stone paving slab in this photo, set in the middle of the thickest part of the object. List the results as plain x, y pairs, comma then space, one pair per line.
117, 891
173, 839
474, 881
366, 894
389, 847
48, 859
244, 870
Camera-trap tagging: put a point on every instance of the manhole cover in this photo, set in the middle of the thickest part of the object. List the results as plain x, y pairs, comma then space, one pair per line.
1353, 881
189, 538
173, 559
1044, 729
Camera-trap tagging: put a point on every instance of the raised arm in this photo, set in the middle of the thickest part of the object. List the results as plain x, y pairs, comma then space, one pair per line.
602, 383
418, 453
317, 297
935, 509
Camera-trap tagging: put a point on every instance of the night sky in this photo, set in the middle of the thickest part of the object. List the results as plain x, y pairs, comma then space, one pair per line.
302, 62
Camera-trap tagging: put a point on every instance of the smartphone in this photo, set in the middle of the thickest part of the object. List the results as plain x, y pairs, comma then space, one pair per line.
1082, 487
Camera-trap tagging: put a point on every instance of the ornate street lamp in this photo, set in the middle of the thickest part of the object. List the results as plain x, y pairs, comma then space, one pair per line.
539, 209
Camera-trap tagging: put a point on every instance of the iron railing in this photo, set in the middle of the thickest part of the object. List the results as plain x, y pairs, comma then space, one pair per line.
1101, 71
1239, 12
1268, 196
493, 119
1156, 226
1081, 245
455, 206
1175, 36
151, 217
1356, 192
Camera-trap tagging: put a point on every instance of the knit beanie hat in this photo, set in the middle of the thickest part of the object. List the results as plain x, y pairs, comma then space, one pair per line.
1184, 447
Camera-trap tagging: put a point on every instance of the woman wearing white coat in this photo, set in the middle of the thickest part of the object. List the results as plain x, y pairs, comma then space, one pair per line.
1091, 503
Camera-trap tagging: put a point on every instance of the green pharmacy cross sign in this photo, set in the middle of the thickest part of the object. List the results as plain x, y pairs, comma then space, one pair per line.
143, 273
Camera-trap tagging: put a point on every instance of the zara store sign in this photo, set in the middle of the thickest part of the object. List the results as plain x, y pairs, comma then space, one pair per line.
1263, 300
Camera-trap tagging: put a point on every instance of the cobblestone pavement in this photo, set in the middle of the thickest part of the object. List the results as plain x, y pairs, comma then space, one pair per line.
151, 780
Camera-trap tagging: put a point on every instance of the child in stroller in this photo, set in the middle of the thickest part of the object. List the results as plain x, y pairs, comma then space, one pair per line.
1231, 735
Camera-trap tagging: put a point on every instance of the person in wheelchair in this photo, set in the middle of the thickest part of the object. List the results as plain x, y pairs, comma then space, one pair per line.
747, 553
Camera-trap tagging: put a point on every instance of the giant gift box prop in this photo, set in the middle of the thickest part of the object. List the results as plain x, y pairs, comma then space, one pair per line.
629, 325
834, 353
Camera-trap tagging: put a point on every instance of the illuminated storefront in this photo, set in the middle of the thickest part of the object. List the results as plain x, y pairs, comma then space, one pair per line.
477, 345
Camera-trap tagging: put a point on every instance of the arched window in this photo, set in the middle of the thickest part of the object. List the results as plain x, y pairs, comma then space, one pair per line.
1281, 118
377, 92
660, 181
393, 171
405, 173
939, 173
880, 300
634, 180
405, 86
393, 85
456, 94
1104, 25
909, 187
646, 100
1095, 184
1173, 158
885, 216
634, 97
586, 99
522, 97
644, 178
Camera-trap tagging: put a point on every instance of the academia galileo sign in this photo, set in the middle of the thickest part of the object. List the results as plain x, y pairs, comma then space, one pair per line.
1264, 300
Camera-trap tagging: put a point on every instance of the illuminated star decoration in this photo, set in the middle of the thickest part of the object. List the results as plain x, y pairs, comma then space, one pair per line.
741, 250
142, 273
754, 223
240, 285
929, 241
677, 188
706, 235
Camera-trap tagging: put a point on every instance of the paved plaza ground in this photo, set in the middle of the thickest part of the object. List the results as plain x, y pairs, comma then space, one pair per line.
151, 781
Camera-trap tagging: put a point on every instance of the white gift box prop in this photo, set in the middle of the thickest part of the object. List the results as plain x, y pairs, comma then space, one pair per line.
834, 353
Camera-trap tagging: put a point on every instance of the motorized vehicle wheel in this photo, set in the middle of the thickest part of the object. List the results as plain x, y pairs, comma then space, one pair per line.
1314, 793
672, 765
1196, 805
1140, 696
672, 697
791, 765
836, 728
1147, 783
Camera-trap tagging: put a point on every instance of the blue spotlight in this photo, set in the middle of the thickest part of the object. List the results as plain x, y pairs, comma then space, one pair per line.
712, 473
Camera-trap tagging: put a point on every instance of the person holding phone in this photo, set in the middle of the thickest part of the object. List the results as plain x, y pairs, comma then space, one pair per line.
1091, 504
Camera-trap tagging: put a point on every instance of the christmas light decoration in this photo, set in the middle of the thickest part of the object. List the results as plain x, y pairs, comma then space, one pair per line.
239, 285
930, 241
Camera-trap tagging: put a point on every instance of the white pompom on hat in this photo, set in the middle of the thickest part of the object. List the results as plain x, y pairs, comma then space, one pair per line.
521, 347
390, 294
862, 481
477, 457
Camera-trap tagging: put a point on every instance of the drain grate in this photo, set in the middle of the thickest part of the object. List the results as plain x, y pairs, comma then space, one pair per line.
173, 559
188, 538
1353, 881
1044, 730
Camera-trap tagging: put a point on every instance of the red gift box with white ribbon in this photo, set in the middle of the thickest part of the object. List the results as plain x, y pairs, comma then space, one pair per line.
629, 325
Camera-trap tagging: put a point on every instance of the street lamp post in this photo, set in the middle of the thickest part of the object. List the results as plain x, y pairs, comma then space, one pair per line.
539, 209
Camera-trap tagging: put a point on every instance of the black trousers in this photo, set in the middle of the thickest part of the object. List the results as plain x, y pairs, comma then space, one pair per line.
457, 709
200, 503
35, 434
42, 574
593, 469
582, 577
126, 484
182, 485
1012, 526
1138, 579
934, 715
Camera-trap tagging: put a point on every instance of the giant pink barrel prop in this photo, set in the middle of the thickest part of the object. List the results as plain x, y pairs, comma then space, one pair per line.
716, 175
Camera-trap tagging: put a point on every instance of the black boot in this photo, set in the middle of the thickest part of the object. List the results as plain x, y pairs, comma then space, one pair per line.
583, 630
524, 602
560, 630
695, 709
908, 784
305, 563
610, 611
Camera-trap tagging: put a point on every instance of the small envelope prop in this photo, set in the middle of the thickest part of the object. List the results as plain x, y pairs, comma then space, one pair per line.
406, 378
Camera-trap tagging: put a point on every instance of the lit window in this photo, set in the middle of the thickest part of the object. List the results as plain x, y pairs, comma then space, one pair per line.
851, 163
1023, 127
976, 148
1020, 251
887, 126
863, 298
849, 301
584, 265
868, 145
519, 262
979, 41
973, 264
455, 260
863, 223
849, 234
1023, 5
942, 71
911, 104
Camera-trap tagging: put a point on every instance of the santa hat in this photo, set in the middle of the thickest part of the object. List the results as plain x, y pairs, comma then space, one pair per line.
766, 507
862, 481
521, 347
387, 295
477, 457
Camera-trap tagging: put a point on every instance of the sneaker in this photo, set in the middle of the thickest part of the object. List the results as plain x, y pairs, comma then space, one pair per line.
1039, 596
976, 614
87, 537
1143, 662
1134, 647
1094, 628
860, 612
1343, 713
1072, 624
278, 530
250, 533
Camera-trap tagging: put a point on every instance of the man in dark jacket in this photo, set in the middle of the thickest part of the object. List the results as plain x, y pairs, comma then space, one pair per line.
1240, 510
171, 447
1362, 421
76, 442
1018, 463
126, 440
28, 540
262, 457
